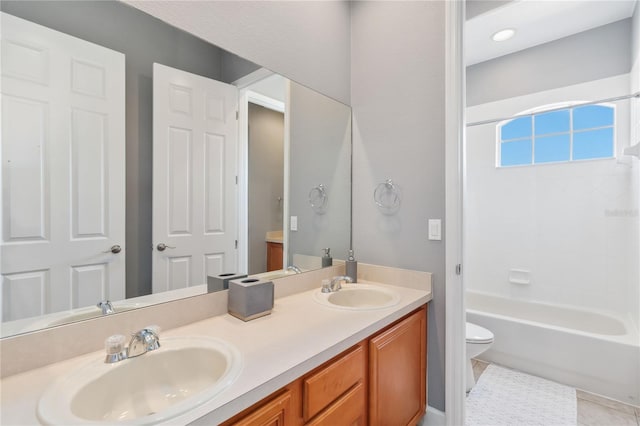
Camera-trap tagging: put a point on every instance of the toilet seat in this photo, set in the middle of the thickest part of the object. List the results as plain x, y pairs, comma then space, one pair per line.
477, 334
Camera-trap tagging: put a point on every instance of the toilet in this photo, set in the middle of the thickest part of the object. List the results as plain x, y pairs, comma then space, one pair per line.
478, 340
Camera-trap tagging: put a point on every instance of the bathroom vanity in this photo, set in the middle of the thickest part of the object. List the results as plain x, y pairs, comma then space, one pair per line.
386, 370
303, 364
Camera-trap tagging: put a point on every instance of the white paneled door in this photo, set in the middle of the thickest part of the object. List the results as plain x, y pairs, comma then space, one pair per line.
194, 178
63, 171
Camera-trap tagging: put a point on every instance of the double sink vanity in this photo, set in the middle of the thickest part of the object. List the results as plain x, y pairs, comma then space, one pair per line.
348, 354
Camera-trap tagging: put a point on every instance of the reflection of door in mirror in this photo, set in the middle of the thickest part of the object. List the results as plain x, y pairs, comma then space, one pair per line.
194, 182
63, 189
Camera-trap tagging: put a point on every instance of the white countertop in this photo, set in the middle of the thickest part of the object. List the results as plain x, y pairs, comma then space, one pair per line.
299, 335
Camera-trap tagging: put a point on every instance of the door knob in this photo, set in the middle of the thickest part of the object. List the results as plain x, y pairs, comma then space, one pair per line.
163, 247
115, 249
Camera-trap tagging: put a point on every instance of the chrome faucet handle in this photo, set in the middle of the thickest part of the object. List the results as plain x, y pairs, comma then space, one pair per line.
114, 346
294, 268
106, 306
335, 282
326, 286
144, 341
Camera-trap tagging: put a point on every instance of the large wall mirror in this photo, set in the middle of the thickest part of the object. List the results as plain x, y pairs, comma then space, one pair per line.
138, 159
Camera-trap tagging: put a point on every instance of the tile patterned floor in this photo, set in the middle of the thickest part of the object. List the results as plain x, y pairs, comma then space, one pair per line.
593, 410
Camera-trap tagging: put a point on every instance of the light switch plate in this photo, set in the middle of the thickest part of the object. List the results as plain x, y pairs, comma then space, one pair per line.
294, 223
435, 229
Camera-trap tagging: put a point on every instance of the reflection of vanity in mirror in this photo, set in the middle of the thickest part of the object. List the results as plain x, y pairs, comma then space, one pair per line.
132, 182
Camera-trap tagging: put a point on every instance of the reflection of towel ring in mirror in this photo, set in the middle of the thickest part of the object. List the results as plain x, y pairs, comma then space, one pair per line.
318, 198
387, 196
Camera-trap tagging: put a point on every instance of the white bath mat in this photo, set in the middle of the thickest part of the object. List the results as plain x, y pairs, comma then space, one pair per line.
505, 397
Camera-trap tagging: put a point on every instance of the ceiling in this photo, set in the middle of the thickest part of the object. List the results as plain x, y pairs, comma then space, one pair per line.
272, 87
537, 22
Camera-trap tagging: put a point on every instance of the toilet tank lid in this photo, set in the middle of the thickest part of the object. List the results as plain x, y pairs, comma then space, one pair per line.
478, 334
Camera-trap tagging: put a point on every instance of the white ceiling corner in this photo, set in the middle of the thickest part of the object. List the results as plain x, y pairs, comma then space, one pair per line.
537, 22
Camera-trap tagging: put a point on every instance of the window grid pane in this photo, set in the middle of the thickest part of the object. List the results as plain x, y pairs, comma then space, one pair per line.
551, 149
577, 133
552, 122
516, 153
593, 144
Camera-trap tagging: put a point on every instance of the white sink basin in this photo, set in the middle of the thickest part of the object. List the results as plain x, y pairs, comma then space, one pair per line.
358, 297
155, 387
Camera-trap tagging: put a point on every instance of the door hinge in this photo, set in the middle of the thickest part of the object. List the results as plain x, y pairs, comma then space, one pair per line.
236, 179
236, 243
237, 115
458, 269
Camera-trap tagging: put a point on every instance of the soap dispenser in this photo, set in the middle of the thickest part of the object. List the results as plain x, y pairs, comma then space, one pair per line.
327, 260
351, 267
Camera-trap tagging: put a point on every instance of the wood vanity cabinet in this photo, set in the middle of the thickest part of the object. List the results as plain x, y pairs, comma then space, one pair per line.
398, 372
276, 412
274, 256
381, 381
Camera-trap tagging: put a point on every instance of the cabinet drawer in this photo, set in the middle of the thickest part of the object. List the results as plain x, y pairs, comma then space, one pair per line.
325, 386
274, 413
348, 410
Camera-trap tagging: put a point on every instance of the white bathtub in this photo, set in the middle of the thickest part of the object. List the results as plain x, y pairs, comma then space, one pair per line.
590, 351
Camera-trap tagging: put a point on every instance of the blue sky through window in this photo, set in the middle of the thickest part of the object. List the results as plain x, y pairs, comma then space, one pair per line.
578, 133
516, 129
553, 148
593, 144
516, 152
553, 122
592, 116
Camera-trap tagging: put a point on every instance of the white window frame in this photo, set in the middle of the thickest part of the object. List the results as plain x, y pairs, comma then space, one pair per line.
553, 108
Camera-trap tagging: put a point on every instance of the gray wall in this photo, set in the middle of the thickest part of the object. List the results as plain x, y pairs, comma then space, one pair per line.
319, 153
144, 40
398, 101
586, 56
306, 41
266, 181
635, 34
478, 7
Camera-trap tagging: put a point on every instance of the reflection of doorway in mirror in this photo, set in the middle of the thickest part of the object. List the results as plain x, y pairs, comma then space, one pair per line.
263, 175
63, 189
265, 188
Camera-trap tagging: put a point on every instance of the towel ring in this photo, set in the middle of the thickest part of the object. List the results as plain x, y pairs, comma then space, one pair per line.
387, 196
318, 198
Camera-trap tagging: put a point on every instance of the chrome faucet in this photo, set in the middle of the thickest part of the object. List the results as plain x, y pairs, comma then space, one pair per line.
141, 342
335, 285
106, 306
294, 268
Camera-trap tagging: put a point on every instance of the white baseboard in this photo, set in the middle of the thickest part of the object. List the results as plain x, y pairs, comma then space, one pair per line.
433, 418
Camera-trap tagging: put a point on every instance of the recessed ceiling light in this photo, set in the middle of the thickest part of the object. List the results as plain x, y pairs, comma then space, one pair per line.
503, 35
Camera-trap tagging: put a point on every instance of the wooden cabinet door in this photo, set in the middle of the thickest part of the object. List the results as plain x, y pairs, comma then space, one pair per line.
274, 256
397, 373
277, 412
